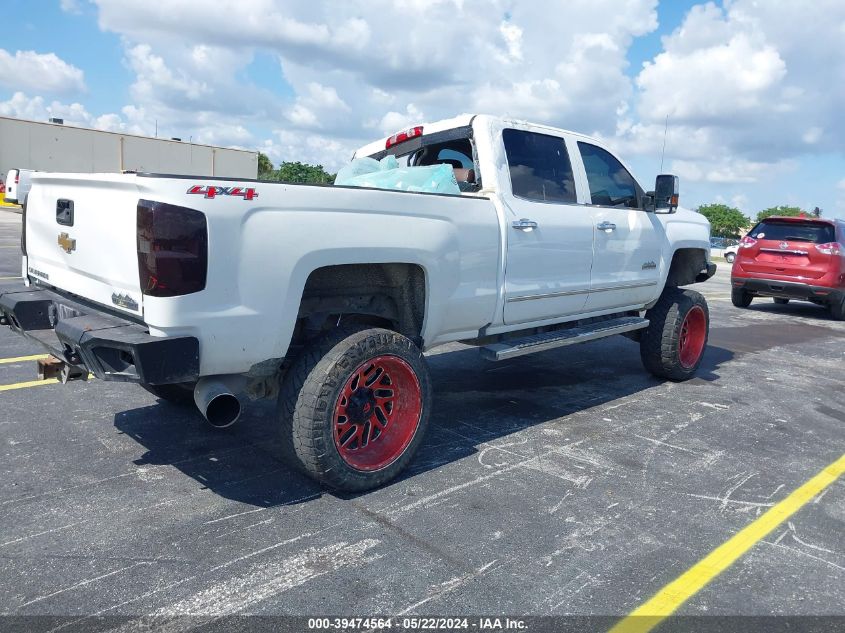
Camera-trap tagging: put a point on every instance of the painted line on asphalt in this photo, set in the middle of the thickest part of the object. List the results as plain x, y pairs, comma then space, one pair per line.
8, 278
666, 601
29, 383
22, 359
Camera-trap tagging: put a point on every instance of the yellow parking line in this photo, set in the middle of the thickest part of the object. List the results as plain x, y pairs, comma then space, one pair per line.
30, 383
22, 359
666, 601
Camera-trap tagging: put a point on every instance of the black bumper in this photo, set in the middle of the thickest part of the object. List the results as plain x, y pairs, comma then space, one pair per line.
110, 347
787, 290
706, 274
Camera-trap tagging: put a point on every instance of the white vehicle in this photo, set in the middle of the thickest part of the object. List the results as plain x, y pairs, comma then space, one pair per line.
18, 184
204, 290
730, 253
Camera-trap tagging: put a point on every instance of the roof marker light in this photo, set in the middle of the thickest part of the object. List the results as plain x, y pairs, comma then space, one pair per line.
404, 135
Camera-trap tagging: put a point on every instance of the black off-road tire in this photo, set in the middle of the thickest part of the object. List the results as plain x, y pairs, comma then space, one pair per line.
312, 390
181, 393
741, 298
837, 310
663, 344
781, 301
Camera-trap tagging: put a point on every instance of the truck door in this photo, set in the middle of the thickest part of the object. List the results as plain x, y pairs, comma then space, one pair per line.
626, 258
549, 235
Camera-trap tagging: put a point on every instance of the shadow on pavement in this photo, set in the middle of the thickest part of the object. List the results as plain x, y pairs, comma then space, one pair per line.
475, 401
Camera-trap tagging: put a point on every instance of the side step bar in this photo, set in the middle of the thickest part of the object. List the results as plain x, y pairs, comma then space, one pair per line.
559, 338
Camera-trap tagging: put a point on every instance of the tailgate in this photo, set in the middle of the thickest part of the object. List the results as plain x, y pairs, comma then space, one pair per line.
81, 237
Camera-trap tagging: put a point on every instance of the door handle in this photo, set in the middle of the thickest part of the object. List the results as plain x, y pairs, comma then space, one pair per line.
524, 224
606, 226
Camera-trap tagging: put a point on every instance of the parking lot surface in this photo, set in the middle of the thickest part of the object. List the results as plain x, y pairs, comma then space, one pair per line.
567, 482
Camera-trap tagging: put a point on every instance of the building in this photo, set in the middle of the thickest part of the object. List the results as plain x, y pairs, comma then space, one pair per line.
56, 147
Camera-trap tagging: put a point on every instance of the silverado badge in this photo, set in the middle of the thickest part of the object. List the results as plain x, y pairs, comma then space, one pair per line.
67, 243
124, 301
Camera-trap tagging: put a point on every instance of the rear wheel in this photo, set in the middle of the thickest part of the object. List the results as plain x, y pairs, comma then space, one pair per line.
181, 393
355, 407
837, 310
673, 343
781, 301
740, 298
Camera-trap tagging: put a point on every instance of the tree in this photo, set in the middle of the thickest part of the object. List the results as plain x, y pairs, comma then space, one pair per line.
725, 221
303, 173
781, 210
265, 167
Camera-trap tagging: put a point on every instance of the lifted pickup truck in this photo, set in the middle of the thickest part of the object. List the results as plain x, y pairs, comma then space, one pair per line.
208, 290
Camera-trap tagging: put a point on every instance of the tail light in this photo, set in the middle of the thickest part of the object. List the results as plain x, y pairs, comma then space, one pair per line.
17, 177
747, 242
831, 248
404, 135
172, 249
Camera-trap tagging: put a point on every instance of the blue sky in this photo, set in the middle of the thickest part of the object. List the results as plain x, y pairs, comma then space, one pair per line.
753, 90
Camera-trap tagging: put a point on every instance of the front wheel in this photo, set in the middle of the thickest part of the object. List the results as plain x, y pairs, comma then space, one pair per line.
355, 407
673, 343
730, 257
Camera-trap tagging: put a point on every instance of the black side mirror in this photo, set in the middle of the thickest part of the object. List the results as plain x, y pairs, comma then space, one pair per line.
666, 190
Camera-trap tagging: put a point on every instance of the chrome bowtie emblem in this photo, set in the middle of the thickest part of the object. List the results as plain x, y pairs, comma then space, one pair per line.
784, 245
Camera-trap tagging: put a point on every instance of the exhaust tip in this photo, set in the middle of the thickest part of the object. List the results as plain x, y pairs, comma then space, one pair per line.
223, 410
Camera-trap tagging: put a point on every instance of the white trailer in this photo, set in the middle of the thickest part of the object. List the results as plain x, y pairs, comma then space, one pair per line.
64, 148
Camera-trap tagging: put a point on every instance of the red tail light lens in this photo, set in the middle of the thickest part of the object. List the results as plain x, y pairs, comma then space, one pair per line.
172, 249
404, 135
832, 248
747, 242
17, 177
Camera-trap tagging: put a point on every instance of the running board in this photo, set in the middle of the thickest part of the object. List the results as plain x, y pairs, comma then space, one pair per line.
559, 338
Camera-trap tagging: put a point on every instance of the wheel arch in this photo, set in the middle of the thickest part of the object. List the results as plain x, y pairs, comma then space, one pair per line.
687, 262
392, 295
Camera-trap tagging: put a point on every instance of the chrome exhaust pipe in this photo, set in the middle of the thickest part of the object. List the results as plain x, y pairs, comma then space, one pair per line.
215, 398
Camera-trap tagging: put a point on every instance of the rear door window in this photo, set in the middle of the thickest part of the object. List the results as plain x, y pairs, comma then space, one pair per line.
815, 232
611, 185
539, 166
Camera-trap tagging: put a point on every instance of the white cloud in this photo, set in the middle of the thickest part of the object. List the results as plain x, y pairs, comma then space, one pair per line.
70, 6
39, 72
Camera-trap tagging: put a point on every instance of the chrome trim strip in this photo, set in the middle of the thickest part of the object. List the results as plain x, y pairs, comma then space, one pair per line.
569, 293
782, 251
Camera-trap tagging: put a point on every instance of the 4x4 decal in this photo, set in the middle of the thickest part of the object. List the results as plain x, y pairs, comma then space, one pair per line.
212, 191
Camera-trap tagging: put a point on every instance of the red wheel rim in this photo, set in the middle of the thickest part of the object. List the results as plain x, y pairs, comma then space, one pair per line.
377, 413
693, 335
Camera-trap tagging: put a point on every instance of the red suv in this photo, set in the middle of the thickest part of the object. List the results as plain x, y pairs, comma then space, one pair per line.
792, 258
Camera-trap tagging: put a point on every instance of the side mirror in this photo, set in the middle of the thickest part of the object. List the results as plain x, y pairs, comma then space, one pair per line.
666, 190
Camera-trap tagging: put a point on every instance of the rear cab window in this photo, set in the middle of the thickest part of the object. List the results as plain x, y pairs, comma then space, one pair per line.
540, 168
611, 185
794, 231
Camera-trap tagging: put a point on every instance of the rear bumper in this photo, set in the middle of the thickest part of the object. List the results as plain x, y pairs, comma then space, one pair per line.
108, 346
788, 290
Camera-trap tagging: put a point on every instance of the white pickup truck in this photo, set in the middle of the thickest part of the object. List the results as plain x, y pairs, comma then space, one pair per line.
210, 290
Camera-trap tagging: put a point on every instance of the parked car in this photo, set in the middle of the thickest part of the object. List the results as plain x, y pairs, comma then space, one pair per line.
203, 290
729, 253
792, 258
18, 184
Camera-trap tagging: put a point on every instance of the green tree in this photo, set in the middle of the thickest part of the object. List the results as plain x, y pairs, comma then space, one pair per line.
781, 210
303, 173
265, 167
725, 221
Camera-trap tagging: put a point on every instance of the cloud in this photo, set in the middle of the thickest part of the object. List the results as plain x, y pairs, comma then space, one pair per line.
41, 72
